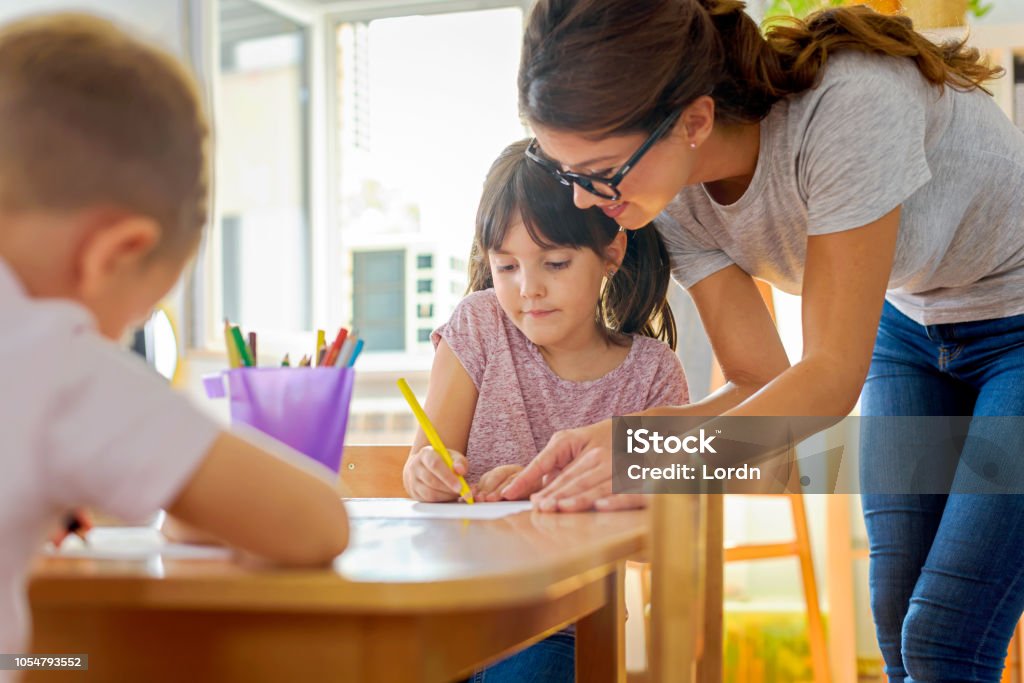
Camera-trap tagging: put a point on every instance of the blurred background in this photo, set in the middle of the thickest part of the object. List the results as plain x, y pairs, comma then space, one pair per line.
351, 138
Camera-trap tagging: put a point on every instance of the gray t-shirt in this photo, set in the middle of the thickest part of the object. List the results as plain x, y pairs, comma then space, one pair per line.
872, 136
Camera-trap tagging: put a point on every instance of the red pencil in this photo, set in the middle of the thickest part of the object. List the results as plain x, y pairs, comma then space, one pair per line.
332, 353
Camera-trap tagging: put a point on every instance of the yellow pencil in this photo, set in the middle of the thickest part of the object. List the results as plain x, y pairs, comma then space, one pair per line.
234, 358
432, 435
321, 343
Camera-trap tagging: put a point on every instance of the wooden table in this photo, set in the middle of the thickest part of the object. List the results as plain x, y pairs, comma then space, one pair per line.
410, 600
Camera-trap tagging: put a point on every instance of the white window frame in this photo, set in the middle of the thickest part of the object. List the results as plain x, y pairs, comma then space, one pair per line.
327, 288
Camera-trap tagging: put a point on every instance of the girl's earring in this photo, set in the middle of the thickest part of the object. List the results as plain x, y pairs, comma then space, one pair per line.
693, 145
611, 273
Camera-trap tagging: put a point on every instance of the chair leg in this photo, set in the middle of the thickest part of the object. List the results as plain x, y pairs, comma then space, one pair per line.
1014, 661
815, 626
710, 643
1019, 636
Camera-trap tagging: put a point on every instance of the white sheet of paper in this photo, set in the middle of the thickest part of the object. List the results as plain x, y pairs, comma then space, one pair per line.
406, 508
133, 543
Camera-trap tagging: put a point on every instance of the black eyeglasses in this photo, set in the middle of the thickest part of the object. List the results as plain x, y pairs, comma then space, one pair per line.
606, 188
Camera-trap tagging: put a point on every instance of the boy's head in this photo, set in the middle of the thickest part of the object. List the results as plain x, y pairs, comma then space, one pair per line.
103, 170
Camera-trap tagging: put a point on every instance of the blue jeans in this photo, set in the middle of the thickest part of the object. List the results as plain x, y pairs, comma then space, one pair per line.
552, 660
947, 570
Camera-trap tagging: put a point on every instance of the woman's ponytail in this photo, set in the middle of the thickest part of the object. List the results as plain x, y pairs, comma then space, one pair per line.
615, 66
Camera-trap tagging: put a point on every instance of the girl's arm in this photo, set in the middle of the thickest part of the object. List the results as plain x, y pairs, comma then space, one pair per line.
845, 279
450, 405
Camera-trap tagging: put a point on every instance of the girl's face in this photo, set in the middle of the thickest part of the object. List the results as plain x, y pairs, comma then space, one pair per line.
648, 187
550, 294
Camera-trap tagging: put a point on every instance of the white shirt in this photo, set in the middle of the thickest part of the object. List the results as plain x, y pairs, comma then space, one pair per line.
82, 423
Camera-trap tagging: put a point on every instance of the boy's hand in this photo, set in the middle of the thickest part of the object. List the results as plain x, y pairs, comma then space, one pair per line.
428, 479
176, 531
77, 522
488, 489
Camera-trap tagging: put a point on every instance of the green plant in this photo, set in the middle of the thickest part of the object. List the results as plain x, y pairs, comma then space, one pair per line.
978, 9
799, 8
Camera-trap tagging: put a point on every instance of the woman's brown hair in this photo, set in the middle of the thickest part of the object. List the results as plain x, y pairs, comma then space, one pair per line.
517, 188
616, 66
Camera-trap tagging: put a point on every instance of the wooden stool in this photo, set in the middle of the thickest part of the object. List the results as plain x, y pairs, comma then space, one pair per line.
800, 547
1014, 659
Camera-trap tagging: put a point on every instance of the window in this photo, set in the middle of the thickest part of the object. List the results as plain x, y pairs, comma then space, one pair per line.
261, 156
378, 308
351, 146
424, 104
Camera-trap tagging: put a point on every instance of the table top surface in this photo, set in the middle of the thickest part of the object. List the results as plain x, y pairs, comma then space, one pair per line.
391, 565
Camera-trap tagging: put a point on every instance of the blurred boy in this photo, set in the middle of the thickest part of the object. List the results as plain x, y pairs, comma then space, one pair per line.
103, 189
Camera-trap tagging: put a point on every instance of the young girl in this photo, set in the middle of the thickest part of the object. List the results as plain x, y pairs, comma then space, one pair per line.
558, 331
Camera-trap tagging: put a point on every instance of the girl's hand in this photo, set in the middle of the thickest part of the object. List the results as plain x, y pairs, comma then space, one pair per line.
429, 480
488, 489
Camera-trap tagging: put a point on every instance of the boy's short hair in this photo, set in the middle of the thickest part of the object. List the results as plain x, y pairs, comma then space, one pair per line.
90, 117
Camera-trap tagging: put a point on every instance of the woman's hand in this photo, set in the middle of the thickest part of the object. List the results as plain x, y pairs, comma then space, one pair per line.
428, 478
489, 488
575, 471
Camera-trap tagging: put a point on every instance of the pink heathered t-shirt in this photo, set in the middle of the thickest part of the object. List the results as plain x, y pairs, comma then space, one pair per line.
523, 402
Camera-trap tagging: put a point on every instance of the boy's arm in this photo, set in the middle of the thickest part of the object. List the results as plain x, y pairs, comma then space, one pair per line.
259, 503
450, 405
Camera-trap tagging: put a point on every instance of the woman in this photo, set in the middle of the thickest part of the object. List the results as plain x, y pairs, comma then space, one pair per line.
851, 161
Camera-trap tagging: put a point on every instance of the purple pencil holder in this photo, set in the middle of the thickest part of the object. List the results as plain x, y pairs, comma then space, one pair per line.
305, 408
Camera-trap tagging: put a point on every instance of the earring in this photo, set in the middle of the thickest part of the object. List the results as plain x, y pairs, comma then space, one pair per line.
611, 273
693, 145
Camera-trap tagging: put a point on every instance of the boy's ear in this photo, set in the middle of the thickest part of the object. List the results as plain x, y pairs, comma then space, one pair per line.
113, 247
616, 250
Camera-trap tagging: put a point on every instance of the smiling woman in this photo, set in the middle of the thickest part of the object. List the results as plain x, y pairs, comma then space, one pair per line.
844, 158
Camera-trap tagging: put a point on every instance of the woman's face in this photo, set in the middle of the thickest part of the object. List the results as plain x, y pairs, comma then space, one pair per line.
647, 188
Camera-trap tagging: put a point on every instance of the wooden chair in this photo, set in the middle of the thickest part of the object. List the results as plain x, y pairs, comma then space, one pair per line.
675, 609
1014, 659
373, 471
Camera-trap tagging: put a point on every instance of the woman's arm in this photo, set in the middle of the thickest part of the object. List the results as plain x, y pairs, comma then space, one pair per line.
749, 351
845, 278
743, 338
450, 405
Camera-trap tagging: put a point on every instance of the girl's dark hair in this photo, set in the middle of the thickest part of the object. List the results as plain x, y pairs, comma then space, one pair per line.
616, 66
519, 188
